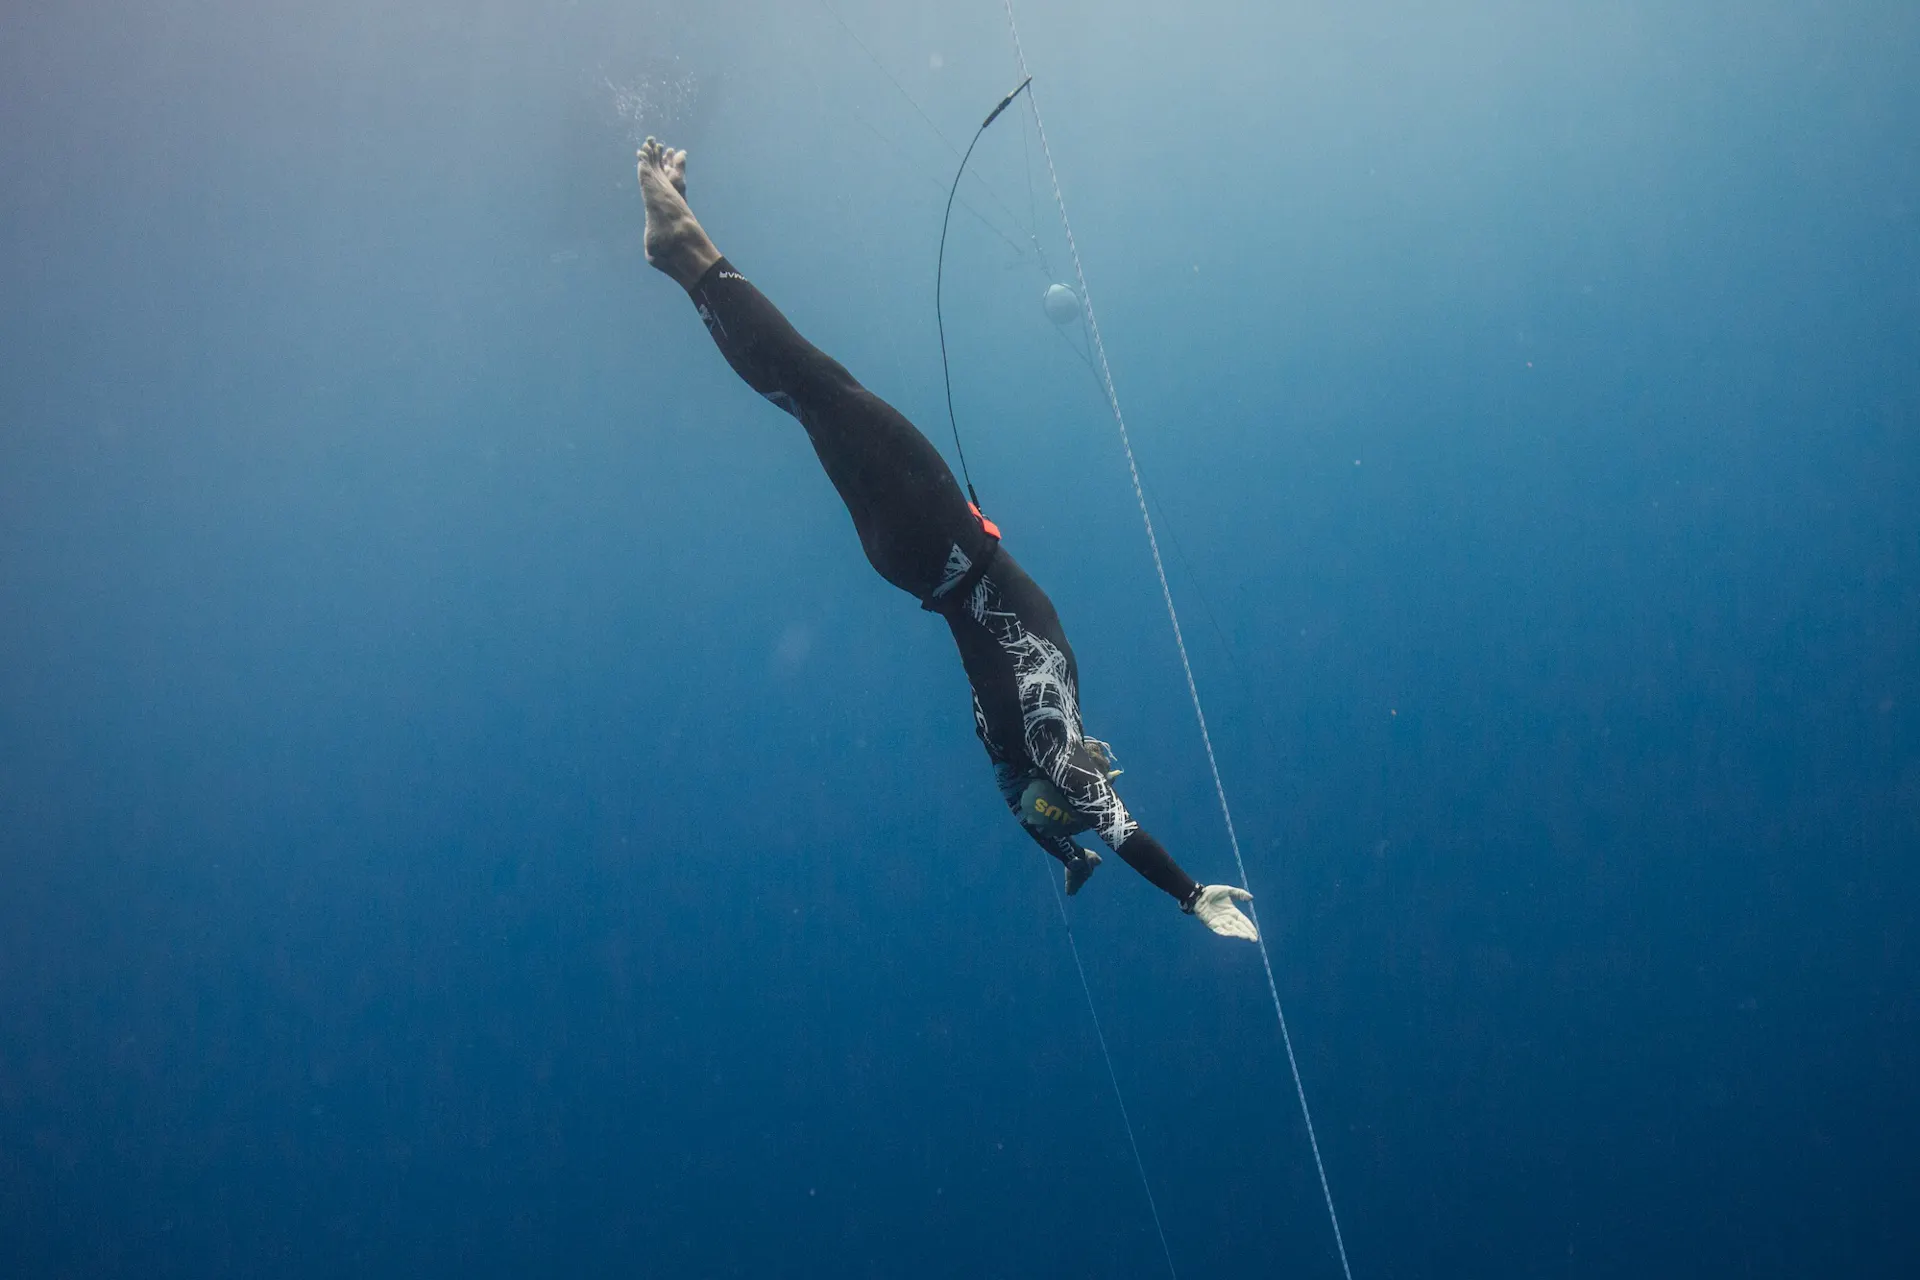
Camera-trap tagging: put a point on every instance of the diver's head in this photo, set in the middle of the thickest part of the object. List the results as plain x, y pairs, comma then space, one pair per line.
1045, 811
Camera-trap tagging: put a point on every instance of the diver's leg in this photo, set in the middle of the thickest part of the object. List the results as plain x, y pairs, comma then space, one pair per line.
759, 342
675, 242
914, 523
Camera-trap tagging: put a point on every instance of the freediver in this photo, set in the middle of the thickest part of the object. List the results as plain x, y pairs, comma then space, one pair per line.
923, 536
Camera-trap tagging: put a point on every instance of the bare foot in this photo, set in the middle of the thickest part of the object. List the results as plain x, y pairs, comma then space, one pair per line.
674, 244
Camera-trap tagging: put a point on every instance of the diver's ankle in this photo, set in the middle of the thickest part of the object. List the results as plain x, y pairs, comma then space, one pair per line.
690, 266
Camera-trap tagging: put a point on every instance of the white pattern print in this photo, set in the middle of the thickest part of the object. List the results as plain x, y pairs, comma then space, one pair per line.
958, 563
1050, 716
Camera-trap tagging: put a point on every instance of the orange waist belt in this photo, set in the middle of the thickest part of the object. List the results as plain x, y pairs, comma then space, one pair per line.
993, 530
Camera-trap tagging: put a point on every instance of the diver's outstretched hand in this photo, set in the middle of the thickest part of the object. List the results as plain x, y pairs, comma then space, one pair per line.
1215, 908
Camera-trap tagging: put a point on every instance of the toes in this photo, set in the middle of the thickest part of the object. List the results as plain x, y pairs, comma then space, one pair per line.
665, 161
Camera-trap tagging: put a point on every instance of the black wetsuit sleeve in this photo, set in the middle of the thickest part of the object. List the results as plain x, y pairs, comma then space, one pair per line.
1150, 858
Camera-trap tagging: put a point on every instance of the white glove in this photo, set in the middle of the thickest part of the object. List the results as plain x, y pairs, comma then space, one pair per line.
1215, 908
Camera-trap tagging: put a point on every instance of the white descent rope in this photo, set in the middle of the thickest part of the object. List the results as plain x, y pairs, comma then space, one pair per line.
1112, 1075
1179, 639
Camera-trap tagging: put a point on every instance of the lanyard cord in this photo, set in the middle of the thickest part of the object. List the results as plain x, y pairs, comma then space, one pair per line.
939, 276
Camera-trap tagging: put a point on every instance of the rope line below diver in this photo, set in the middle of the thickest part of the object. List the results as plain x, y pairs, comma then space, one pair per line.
1133, 1143
1173, 616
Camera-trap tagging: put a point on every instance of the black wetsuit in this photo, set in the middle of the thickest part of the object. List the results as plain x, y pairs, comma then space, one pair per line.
922, 535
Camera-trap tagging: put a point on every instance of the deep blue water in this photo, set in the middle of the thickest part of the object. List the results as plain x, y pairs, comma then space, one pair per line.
467, 808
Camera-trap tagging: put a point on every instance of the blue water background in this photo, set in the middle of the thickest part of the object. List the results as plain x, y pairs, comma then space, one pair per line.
466, 808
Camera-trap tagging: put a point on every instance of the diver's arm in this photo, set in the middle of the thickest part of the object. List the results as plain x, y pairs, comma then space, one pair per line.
1217, 905
1150, 858
1087, 782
